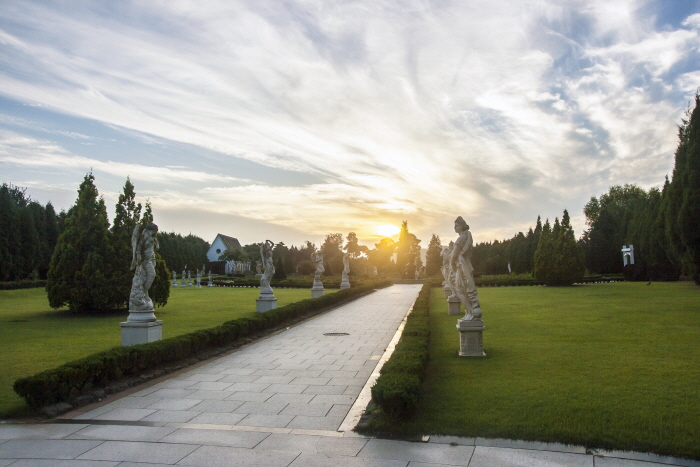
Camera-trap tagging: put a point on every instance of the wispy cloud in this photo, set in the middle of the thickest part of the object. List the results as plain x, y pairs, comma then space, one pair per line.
498, 111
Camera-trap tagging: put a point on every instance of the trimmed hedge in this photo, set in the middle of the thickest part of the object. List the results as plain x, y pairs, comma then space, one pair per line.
99, 370
397, 389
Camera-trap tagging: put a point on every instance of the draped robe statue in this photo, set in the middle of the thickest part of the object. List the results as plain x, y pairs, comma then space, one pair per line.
461, 271
144, 245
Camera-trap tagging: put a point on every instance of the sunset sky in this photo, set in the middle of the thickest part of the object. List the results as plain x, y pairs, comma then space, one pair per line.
291, 119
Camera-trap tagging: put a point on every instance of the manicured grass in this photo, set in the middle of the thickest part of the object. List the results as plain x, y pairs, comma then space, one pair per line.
33, 337
604, 365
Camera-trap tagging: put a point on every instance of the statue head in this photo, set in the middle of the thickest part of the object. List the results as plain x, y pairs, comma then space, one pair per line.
460, 225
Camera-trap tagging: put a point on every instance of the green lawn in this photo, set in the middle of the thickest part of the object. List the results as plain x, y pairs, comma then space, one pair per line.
603, 365
33, 337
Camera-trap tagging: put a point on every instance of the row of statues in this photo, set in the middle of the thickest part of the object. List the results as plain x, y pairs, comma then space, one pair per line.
187, 277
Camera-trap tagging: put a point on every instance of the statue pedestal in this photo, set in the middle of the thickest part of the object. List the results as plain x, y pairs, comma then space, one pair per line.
470, 341
210, 284
345, 284
265, 302
175, 283
448, 292
454, 305
141, 327
317, 290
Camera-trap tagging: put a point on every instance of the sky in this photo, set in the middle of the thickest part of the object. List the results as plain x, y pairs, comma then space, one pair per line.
291, 119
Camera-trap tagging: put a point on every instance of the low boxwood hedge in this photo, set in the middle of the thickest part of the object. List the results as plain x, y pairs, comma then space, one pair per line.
397, 389
24, 284
79, 377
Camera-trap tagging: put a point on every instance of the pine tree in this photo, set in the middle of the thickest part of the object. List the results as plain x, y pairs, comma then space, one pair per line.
279, 270
543, 254
407, 250
572, 264
79, 274
127, 215
433, 258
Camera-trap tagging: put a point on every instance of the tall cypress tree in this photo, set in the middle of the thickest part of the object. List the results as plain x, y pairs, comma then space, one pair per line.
572, 264
433, 258
80, 273
543, 254
127, 215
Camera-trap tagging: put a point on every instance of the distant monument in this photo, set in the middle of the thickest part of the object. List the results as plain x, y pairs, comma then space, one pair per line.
189, 278
345, 280
471, 326
199, 277
174, 279
266, 301
141, 326
184, 276
627, 255
211, 282
317, 289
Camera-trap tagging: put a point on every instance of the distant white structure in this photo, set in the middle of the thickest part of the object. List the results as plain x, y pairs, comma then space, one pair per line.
627, 254
220, 244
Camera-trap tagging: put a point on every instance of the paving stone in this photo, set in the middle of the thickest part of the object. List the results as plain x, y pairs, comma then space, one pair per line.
310, 410
124, 414
247, 396
218, 418
53, 431
270, 421
316, 460
489, 456
315, 389
520, 444
316, 423
238, 439
418, 452
286, 388
175, 416
240, 379
274, 379
212, 386
248, 387
174, 404
172, 393
169, 384
216, 456
646, 457
122, 433
127, 451
130, 402
201, 376
217, 406
204, 394
264, 408
45, 449
348, 381
59, 463
238, 371
289, 442
271, 372
291, 398
340, 446
334, 399
339, 410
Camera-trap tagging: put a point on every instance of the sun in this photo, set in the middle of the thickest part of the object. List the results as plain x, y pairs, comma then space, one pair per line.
388, 230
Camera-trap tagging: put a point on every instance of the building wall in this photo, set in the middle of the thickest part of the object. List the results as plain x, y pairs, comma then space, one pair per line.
218, 244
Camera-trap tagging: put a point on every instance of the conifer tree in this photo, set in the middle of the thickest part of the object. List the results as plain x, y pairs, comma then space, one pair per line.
127, 215
572, 264
433, 258
543, 254
80, 273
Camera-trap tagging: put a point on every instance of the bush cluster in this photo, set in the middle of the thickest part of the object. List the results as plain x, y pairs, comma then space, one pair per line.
307, 283
99, 370
397, 389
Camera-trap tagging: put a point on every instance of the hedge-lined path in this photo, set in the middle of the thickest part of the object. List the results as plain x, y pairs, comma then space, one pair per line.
277, 402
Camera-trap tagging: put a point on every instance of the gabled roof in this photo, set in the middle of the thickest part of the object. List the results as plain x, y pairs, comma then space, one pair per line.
230, 242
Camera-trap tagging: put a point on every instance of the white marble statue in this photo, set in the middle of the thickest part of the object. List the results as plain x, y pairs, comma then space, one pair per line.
258, 267
446, 255
346, 267
199, 277
174, 279
461, 271
189, 278
268, 266
211, 282
375, 271
144, 245
184, 276
317, 258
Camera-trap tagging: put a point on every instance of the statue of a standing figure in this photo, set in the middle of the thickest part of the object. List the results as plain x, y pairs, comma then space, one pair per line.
211, 282
199, 277
144, 245
174, 279
345, 278
268, 266
461, 271
317, 258
184, 276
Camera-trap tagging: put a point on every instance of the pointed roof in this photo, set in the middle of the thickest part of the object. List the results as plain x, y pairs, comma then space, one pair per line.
230, 242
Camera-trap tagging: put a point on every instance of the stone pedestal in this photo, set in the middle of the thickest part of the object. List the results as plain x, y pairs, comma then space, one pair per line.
317, 290
141, 327
345, 284
184, 282
175, 283
470, 341
210, 284
265, 302
448, 292
454, 305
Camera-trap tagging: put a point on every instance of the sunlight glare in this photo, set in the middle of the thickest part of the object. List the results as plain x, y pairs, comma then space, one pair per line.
388, 230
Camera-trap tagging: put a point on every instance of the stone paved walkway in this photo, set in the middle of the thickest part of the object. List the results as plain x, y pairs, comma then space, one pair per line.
278, 402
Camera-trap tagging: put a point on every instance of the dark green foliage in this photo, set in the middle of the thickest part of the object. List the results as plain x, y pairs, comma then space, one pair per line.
279, 269
28, 233
381, 255
127, 215
178, 251
160, 289
433, 258
24, 284
559, 259
80, 271
397, 390
100, 369
519, 251
332, 254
